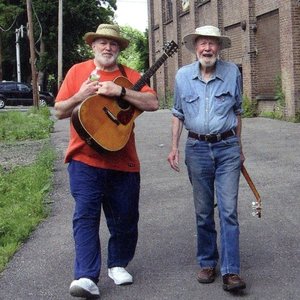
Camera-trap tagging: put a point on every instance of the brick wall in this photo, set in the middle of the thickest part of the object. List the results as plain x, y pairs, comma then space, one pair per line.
207, 13
234, 11
265, 41
265, 6
296, 60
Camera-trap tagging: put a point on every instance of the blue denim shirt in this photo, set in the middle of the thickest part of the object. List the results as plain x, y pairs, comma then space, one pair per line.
208, 107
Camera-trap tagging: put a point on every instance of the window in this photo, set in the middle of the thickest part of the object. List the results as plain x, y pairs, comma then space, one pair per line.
185, 4
8, 86
169, 10
200, 2
23, 88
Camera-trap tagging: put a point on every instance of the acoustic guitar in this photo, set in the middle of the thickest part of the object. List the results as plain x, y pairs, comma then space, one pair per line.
106, 123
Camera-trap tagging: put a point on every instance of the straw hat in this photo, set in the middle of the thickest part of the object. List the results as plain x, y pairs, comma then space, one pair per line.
107, 31
208, 31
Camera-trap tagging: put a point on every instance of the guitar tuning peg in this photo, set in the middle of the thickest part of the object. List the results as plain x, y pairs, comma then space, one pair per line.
256, 207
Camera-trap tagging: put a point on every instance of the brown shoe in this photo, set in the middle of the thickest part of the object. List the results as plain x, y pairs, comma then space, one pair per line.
206, 275
233, 282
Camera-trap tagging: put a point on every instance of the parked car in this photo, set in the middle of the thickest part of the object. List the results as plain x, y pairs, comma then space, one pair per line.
19, 93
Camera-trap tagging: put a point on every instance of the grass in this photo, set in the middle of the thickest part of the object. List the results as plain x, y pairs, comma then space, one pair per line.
24, 190
34, 125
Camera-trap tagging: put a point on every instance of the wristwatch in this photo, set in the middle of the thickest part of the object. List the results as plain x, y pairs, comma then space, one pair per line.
123, 92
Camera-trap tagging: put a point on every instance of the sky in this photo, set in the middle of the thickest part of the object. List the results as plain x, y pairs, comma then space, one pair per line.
132, 13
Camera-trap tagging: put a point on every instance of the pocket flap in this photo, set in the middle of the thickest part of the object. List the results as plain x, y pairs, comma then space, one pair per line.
191, 98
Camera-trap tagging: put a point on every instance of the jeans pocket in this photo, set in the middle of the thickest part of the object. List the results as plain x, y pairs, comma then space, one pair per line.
231, 141
191, 142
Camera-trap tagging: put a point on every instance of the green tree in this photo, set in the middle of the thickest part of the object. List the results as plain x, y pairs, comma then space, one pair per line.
8, 17
136, 55
78, 18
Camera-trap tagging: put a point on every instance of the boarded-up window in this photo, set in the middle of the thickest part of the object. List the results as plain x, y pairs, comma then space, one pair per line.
268, 53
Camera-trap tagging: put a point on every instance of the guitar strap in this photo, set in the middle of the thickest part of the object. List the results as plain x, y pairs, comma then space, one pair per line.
122, 70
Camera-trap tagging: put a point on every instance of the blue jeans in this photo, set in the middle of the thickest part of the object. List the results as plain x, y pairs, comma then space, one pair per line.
118, 193
216, 168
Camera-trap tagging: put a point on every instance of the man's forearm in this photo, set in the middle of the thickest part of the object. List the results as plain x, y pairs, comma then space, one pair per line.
63, 109
177, 126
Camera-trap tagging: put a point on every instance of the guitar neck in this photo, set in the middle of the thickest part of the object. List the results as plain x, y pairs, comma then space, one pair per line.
148, 74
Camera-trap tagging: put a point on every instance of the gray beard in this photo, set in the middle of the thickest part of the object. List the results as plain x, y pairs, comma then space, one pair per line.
105, 61
209, 63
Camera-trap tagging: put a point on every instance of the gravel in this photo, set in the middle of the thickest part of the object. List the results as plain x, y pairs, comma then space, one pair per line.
19, 153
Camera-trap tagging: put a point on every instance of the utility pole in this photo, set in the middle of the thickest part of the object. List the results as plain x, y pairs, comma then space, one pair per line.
32, 55
60, 43
19, 32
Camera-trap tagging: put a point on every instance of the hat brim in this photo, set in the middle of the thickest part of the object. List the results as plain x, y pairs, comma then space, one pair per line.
90, 37
189, 41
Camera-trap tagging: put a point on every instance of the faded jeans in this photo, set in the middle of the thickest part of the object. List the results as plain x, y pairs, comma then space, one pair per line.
118, 193
215, 167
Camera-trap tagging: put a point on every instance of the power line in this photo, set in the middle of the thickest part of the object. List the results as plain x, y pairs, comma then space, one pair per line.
10, 27
38, 20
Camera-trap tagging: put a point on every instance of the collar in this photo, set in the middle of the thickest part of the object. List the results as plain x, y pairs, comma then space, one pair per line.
219, 71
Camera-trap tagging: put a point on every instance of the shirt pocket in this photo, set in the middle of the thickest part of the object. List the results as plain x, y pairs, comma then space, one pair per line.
223, 102
191, 105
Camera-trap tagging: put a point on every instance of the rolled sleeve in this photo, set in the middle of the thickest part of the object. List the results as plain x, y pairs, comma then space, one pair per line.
176, 113
177, 107
238, 109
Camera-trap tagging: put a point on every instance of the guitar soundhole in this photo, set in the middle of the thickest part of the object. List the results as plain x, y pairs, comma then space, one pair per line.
124, 117
123, 103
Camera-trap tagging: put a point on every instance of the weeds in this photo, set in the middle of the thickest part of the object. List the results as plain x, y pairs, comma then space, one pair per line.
24, 189
249, 108
34, 124
167, 101
22, 195
297, 117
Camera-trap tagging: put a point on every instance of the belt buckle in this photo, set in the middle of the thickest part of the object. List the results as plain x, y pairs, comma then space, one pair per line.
213, 137
207, 137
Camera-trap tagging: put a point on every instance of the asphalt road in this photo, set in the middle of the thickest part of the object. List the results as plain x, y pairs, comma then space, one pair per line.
18, 108
165, 266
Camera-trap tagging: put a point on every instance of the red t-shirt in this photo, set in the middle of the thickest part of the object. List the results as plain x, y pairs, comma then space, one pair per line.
125, 159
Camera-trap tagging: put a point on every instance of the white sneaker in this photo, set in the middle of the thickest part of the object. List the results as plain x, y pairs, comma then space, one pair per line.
84, 288
120, 276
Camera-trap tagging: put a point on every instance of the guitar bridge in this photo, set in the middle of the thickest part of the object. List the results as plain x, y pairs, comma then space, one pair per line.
111, 116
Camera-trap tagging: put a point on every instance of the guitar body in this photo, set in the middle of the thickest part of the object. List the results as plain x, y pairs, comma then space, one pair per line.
103, 123
106, 123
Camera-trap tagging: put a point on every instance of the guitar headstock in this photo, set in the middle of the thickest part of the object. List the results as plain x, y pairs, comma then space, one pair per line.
170, 48
256, 209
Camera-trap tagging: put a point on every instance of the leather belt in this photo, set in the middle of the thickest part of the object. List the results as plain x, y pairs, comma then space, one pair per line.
212, 138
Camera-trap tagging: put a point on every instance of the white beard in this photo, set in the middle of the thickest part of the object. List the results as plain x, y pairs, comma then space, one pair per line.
106, 60
208, 63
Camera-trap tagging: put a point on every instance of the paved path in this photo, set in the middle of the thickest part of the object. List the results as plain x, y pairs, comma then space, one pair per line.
164, 266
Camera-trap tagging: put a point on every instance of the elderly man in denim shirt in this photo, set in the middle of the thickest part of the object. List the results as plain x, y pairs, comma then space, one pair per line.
207, 101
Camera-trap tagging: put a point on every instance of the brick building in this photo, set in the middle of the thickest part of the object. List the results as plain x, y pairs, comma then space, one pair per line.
265, 37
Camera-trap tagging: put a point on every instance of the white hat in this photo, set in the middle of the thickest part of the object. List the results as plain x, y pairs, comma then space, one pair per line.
208, 30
